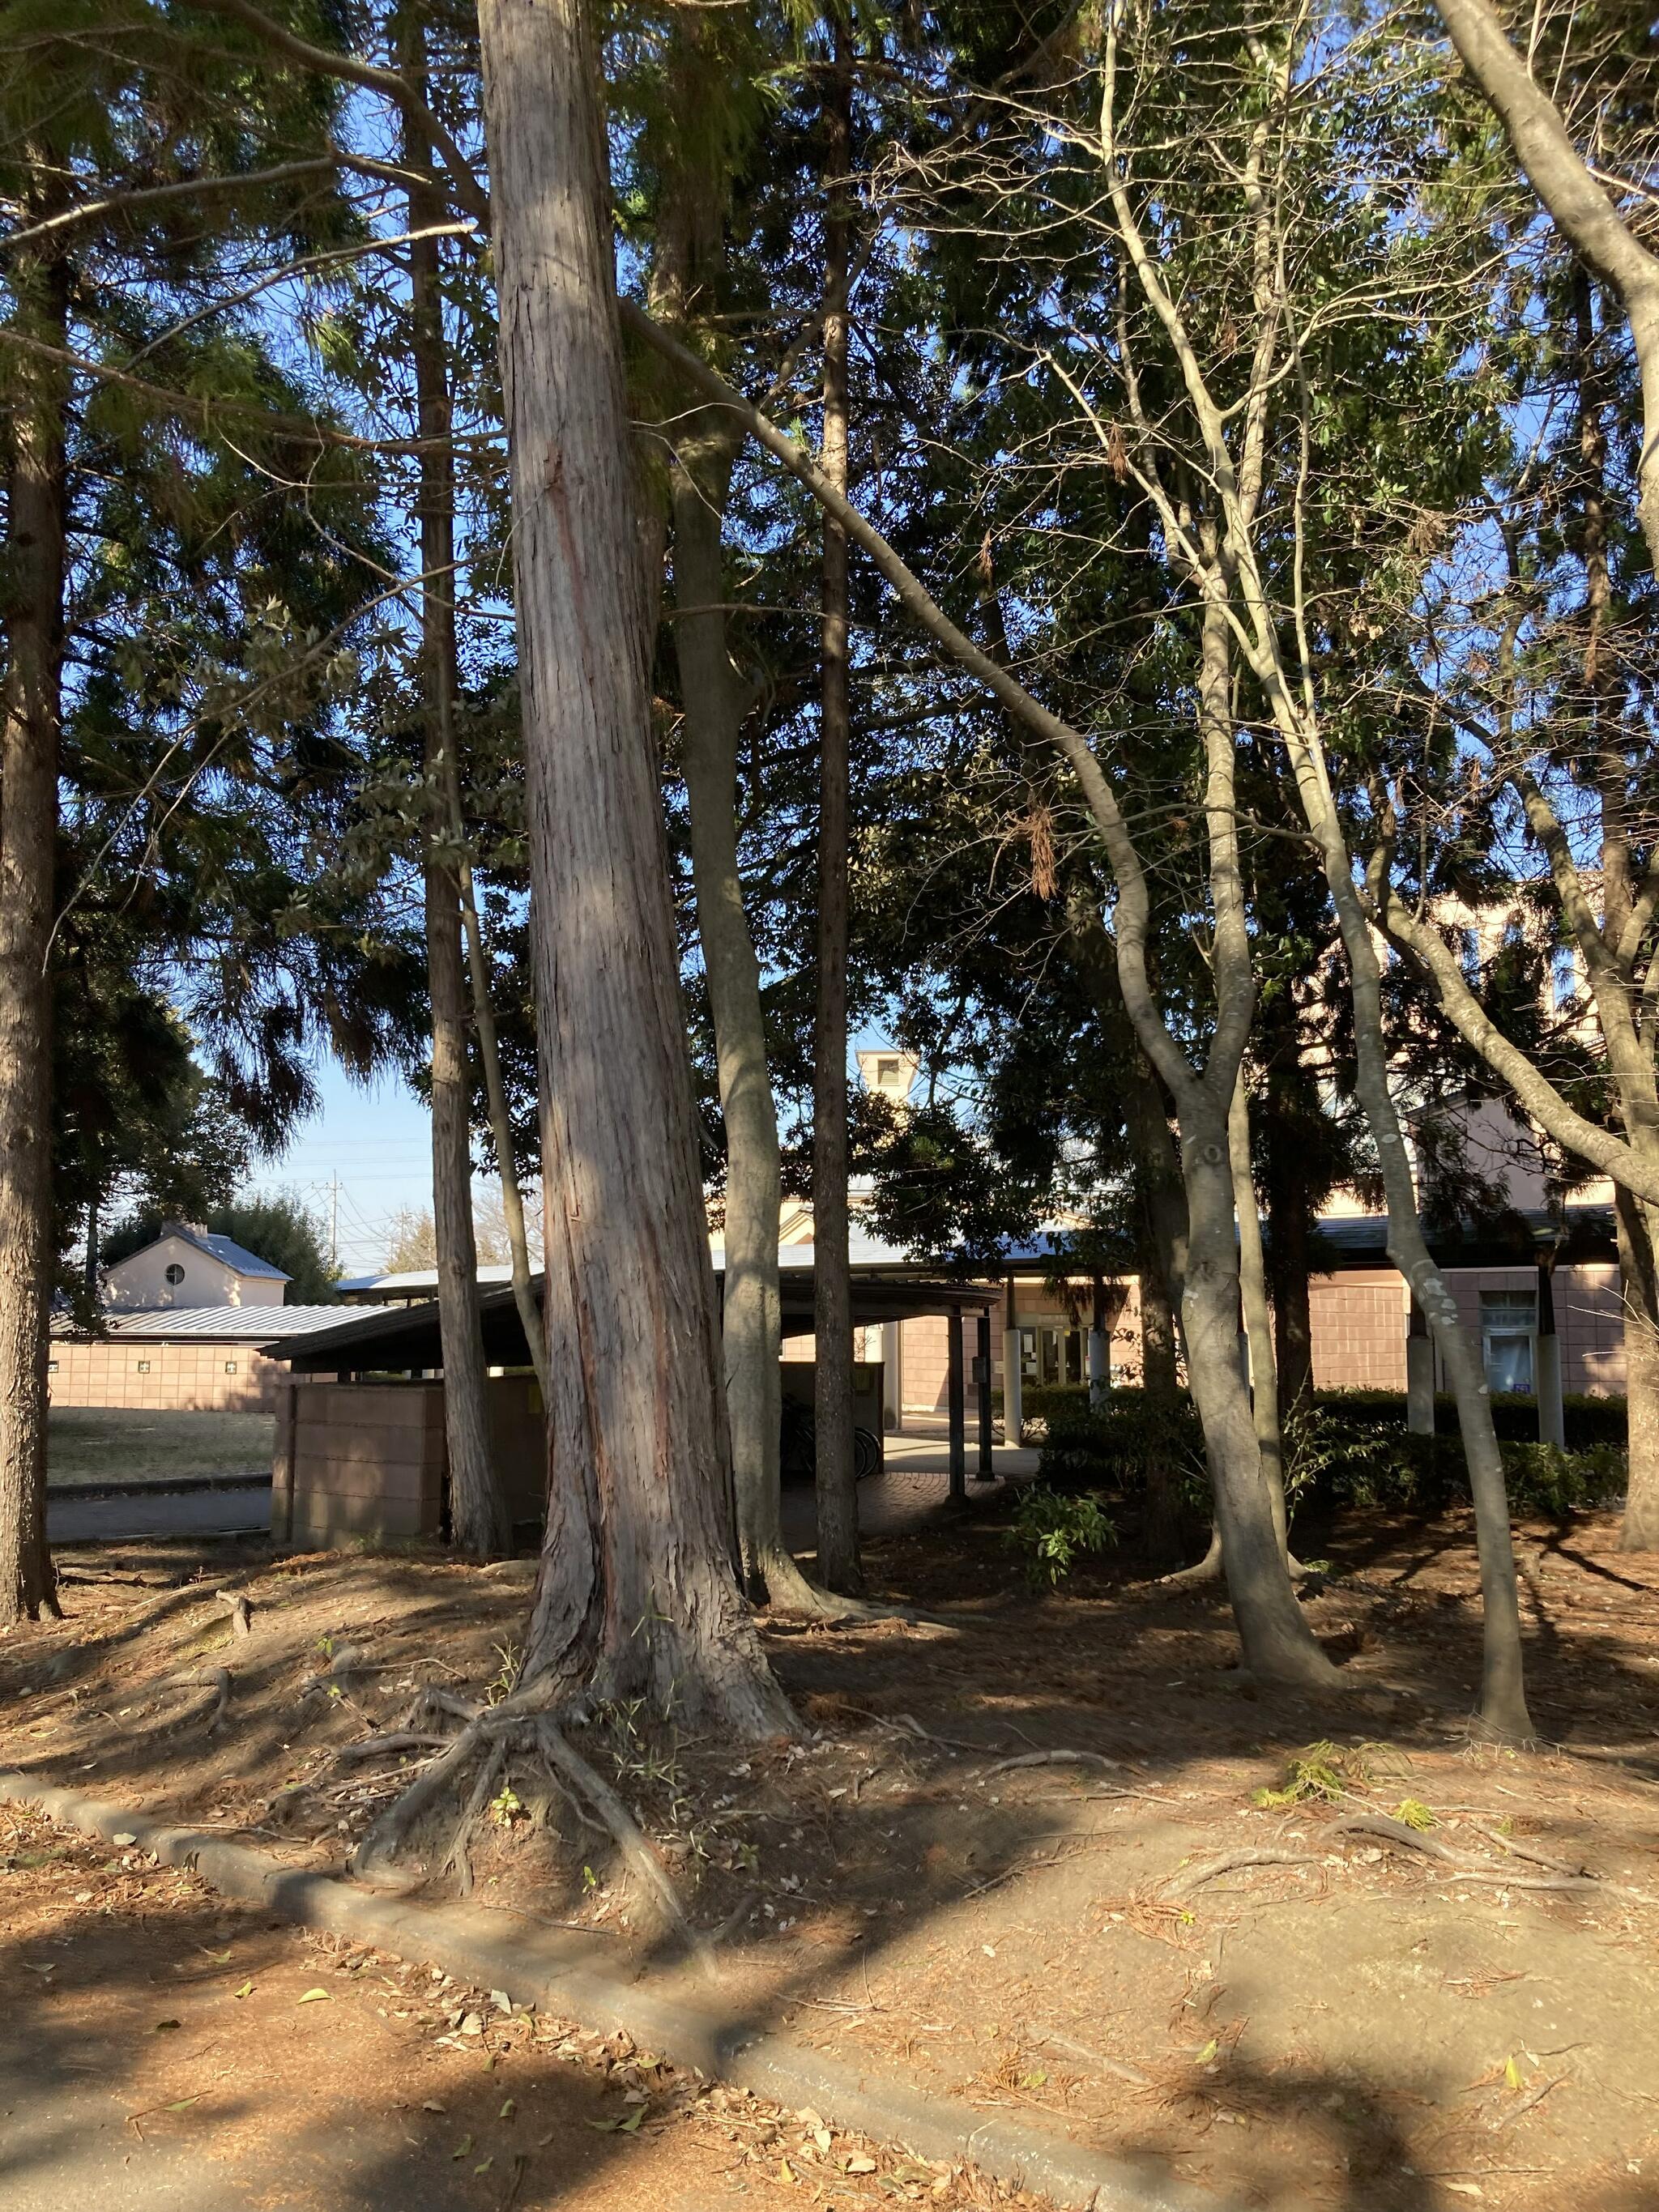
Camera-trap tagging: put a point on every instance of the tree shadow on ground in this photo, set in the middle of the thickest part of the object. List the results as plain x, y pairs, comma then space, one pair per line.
1006, 1673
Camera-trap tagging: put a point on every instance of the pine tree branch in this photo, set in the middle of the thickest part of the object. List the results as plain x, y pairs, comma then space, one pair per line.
116, 203
353, 70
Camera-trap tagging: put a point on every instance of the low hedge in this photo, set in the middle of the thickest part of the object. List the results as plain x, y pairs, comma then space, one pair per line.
1350, 1448
1586, 1421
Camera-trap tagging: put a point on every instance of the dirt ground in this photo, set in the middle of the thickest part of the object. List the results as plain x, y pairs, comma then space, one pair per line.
1337, 2017
110, 1443
164, 2047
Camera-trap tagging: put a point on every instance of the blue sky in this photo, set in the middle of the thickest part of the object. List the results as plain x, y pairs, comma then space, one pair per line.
378, 1143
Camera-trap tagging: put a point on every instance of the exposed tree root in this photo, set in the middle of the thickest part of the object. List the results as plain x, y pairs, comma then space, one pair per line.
456, 1860
215, 1679
629, 1837
1120, 2069
1467, 1869
1194, 1877
1527, 1851
377, 1746
242, 1615
1051, 1759
497, 1730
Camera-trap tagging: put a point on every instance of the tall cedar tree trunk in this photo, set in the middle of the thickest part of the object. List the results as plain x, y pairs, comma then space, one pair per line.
1288, 1243
751, 1321
30, 706
636, 1593
839, 1566
477, 1513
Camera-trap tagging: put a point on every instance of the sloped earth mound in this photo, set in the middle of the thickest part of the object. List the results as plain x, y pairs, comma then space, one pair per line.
1329, 1954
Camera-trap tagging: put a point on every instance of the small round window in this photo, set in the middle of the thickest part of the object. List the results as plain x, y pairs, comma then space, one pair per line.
176, 1273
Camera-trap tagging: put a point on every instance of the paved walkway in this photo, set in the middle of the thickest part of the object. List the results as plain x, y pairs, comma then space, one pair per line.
913, 1487
233, 1511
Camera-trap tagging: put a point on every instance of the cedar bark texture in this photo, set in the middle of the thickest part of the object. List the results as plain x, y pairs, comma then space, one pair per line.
839, 1564
30, 704
636, 1593
477, 1522
751, 1323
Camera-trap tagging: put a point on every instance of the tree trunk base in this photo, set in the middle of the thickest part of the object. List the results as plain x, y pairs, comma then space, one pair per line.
1206, 1569
776, 1580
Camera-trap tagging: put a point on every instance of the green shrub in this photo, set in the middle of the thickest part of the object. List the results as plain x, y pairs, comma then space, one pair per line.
1118, 1445
1587, 1421
1052, 1532
1345, 1449
1043, 1403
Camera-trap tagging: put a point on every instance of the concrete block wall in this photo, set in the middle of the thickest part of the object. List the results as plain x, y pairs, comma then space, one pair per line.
357, 1459
370, 1459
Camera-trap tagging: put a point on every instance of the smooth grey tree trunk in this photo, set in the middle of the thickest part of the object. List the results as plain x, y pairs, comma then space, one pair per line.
1502, 1691
30, 707
1278, 1643
636, 1593
713, 697
839, 1565
1258, 1311
477, 1513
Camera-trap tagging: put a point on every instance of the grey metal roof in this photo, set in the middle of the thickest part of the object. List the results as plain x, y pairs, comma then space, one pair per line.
227, 1249
226, 1324
403, 1337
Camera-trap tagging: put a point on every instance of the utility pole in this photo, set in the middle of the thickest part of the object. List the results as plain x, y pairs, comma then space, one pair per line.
334, 1222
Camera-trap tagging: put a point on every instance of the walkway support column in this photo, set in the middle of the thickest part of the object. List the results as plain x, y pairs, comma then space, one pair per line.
1546, 1362
954, 1385
1419, 1373
892, 1378
1013, 1383
1100, 1357
984, 1470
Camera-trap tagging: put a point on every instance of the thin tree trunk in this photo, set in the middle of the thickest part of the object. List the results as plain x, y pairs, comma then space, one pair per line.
30, 707
1579, 206
751, 1317
1258, 1314
839, 1566
1163, 1271
1604, 706
476, 1512
1503, 1691
501, 1120
1639, 1531
1278, 1643
636, 1593
1278, 1640
1287, 1230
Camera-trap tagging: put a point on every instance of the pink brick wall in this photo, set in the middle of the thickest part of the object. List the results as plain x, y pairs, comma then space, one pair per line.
184, 1378
1358, 1331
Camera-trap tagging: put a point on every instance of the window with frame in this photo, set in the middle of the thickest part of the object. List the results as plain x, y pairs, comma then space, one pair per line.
1509, 1329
